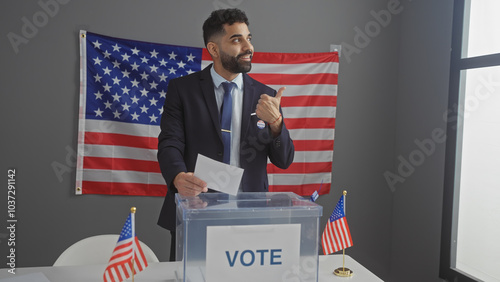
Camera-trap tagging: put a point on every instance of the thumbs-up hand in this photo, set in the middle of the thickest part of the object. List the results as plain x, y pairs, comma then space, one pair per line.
278, 95
268, 110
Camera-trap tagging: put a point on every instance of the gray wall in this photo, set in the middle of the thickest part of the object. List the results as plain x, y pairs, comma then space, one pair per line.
392, 90
421, 104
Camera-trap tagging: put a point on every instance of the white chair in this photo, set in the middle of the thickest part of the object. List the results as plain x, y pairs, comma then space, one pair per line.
96, 250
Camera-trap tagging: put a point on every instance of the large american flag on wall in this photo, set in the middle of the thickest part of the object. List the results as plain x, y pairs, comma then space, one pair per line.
123, 84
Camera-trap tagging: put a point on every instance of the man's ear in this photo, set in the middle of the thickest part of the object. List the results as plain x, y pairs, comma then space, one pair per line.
213, 49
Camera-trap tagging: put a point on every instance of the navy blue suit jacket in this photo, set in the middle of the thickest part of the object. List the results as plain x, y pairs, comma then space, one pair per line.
190, 126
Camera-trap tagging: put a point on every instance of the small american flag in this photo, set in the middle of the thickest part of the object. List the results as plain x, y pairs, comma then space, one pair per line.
123, 84
315, 194
336, 236
127, 258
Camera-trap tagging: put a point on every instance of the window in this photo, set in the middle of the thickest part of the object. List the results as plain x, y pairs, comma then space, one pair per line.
470, 248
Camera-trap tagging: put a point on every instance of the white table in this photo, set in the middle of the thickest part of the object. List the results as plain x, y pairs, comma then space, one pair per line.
165, 272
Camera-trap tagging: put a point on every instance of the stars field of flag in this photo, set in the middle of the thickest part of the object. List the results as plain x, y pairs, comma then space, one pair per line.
128, 82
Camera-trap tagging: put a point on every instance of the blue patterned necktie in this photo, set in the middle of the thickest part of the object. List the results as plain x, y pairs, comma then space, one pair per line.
225, 121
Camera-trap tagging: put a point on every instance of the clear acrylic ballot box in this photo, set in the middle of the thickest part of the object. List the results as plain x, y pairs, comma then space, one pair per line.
249, 237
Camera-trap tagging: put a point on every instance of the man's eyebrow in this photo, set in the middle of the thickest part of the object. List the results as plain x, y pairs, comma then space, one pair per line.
239, 35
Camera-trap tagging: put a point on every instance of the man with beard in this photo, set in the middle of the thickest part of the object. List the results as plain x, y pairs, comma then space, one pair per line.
222, 113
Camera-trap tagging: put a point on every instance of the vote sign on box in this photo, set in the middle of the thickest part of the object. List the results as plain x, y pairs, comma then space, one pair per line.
251, 252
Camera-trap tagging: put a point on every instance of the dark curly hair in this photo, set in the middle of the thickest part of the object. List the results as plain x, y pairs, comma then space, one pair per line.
214, 24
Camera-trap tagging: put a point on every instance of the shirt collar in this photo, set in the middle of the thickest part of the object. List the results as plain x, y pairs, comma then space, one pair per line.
218, 79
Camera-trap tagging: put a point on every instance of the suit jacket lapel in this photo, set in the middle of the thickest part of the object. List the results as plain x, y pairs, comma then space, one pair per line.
250, 99
207, 86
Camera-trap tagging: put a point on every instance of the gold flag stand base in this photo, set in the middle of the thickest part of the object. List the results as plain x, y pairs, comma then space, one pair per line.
343, 272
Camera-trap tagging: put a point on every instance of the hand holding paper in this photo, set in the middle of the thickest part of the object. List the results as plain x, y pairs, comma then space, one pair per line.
189, 185
218, 176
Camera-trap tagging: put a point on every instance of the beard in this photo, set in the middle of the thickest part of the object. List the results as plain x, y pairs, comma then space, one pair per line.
233, 64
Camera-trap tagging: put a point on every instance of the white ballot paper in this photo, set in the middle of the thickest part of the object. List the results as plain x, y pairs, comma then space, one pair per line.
218, 176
